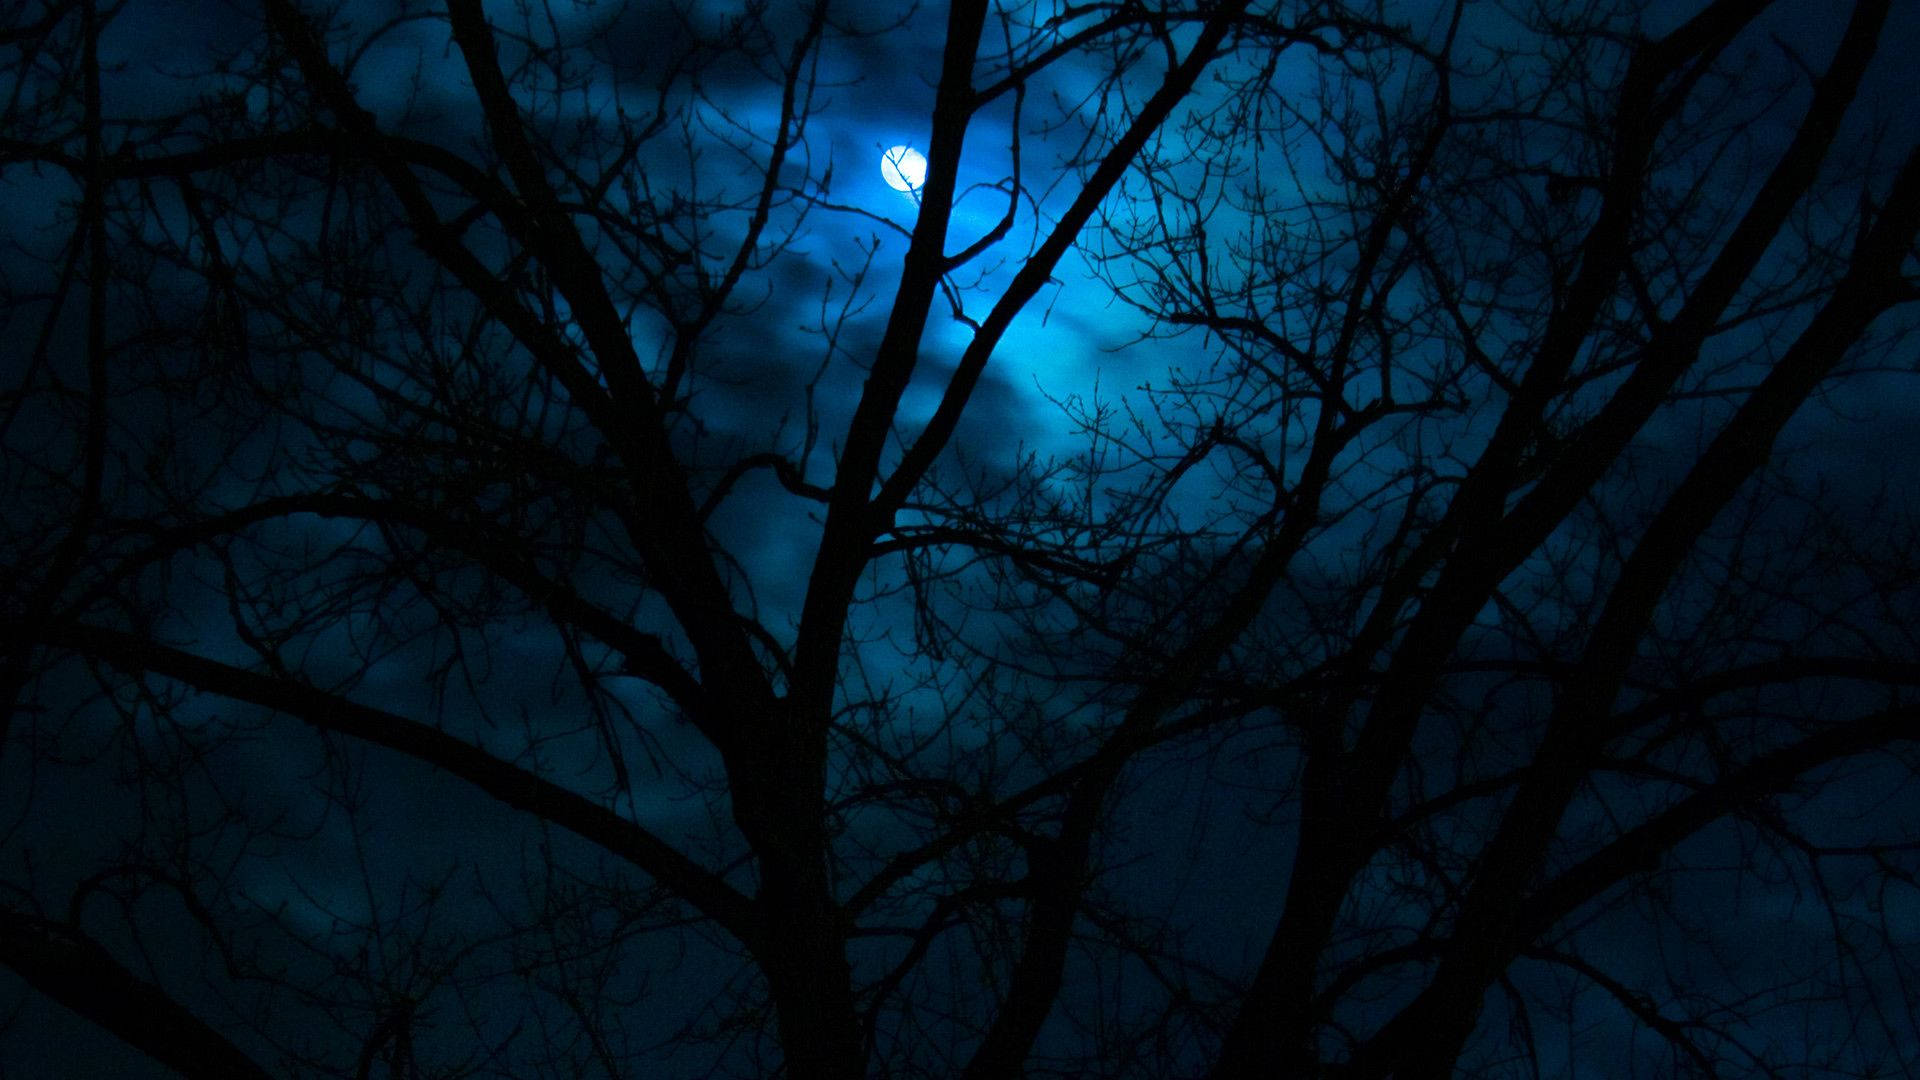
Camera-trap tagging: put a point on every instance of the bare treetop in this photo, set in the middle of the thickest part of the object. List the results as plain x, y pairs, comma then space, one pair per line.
1228, 539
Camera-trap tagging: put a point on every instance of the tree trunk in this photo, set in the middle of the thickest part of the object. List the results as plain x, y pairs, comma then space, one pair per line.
780, 805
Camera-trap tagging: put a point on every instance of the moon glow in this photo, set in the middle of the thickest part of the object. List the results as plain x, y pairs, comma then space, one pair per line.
903, 168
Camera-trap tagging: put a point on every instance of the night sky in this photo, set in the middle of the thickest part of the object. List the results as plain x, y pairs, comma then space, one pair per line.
289, 885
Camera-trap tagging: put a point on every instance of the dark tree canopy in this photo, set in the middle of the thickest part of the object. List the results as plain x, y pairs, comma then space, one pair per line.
1321, 538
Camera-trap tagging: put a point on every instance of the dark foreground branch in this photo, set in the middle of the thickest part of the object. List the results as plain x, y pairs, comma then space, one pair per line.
79, 973
509, 783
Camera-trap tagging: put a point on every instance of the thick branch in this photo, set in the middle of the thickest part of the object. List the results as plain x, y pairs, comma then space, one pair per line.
79, 973
509, 783
1410, 1035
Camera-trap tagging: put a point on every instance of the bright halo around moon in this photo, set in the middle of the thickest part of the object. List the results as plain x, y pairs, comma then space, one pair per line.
903, 168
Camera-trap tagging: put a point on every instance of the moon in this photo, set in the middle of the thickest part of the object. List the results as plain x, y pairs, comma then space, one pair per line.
903, 168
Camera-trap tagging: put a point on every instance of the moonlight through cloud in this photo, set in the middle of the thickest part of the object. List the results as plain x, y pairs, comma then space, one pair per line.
903, 168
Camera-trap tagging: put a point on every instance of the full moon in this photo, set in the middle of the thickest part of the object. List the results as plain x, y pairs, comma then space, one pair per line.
903, 168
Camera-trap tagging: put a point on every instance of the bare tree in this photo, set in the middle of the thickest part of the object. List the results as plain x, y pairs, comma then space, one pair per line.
517, 565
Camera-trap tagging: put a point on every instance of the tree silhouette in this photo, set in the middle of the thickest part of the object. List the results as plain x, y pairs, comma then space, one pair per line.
1322, 539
